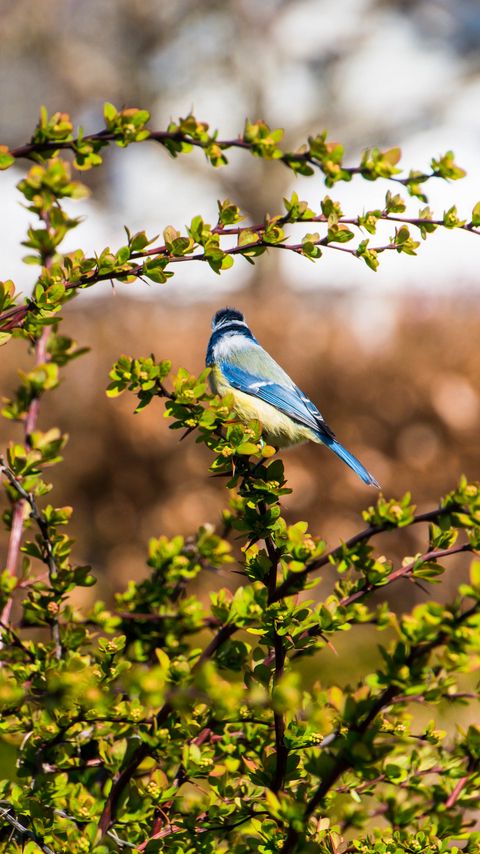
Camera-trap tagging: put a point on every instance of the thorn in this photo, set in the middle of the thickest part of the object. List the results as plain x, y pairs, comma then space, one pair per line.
187, 433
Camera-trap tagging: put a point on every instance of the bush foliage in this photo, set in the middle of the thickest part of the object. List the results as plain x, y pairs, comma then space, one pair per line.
167, 722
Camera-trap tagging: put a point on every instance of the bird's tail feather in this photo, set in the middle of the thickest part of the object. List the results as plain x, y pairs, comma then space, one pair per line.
350, 460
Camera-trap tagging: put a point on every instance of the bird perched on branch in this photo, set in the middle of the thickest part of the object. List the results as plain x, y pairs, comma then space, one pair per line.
262, 390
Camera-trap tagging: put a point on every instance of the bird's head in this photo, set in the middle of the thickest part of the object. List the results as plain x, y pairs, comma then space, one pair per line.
227, 317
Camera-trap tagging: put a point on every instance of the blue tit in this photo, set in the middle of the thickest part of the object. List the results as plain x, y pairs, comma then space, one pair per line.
262, 390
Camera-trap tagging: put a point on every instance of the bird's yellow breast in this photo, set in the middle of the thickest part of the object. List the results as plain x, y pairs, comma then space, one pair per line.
278, 429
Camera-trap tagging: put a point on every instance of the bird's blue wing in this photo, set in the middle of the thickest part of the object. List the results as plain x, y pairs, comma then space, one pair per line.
289, 399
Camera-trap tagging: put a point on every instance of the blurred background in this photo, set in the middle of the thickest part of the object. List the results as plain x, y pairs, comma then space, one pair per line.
391, 358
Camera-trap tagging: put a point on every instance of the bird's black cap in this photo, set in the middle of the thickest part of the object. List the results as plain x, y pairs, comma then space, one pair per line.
227, 315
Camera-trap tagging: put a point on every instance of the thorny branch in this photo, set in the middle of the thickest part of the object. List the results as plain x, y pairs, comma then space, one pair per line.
6, 810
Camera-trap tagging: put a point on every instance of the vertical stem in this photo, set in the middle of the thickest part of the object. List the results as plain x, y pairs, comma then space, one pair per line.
281, 751
279, 721
29, 426
33, 409
13, 550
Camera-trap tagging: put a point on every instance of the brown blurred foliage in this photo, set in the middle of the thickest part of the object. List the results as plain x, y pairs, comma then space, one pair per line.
410, 410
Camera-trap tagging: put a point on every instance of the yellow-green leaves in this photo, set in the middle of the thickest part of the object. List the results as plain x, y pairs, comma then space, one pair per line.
451, 218
380, 164
175, 243
127, 125
263, 140
55, 128
228, 213
142, 376
6, 159
370, 256
446, 167
297, 210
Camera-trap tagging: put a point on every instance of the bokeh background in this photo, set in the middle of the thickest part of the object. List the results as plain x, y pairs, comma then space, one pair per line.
392, 358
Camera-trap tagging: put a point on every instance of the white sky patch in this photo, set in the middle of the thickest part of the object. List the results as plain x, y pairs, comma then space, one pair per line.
311, 27
392, 74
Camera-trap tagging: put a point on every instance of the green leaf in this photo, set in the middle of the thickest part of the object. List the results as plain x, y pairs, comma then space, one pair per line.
110, 113
475, 574
476, 214
6, 159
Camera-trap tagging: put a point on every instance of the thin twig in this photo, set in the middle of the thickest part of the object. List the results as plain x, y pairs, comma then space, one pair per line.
106, 136
20, 828
14, 316
405, 571
290, 584
17, 641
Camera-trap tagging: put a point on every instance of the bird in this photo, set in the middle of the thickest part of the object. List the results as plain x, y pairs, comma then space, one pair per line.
263, 391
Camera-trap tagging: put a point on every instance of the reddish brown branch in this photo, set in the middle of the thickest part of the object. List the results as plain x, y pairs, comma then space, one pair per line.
13, 317
164, 137
452, 800
405, 571
18, 512
291, 582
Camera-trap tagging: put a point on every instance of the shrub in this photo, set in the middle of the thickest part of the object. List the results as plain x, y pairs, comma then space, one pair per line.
170, 723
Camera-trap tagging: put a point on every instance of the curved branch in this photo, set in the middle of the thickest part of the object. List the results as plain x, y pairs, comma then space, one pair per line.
290, 585
269, 151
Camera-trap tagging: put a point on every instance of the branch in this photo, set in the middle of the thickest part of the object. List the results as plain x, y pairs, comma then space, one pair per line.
281, 751
405, 571
48, 556
30, 424
25, 832
16, 641
327, 160
457, 791
16, 530
13, 317
290, 584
